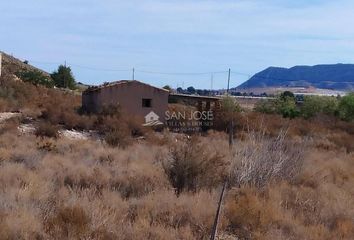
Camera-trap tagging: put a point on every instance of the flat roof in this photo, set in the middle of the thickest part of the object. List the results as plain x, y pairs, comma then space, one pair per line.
194, 96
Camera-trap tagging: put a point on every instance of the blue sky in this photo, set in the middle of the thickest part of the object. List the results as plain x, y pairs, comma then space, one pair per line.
177, 36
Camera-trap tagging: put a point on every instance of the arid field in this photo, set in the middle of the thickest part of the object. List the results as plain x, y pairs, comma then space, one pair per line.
286, 178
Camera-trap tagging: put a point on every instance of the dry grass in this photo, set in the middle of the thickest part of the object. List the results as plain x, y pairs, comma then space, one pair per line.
278, 189
55, 189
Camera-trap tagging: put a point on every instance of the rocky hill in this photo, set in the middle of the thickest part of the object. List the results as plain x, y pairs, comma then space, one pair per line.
336, 76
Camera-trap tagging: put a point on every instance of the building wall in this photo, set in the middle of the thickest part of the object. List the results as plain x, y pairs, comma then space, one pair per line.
129, 96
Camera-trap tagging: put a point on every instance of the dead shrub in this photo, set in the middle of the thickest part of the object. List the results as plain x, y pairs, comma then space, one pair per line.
48, 146
136, 128
46, 129
9, 125
344, 227
179, 213
248, 213
118, 138
190, 167
262, 160
68, 222
4, 105
135, 185
343, 140
82, 179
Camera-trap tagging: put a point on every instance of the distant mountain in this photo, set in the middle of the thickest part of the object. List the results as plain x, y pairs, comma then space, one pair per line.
336, 76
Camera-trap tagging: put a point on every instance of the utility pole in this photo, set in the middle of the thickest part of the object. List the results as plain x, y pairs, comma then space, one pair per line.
133, 73
65, 83
211, 83
231, 124
228, 82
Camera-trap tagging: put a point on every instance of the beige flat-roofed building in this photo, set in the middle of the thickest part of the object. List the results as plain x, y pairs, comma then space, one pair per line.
133, 97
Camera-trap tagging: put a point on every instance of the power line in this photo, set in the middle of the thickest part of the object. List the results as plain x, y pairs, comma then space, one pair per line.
100, 69
180, 73
163, 73
129, 70
48, 63
243, 74
80, 66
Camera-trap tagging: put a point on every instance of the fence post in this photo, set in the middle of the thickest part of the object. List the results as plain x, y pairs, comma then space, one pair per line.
217, 215
231, 133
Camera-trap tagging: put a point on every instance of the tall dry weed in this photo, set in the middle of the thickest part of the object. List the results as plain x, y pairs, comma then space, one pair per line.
261, 160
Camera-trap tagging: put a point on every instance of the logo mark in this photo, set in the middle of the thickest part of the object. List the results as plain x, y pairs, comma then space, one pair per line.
152, 119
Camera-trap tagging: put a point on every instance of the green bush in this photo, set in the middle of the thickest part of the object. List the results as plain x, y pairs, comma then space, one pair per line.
229, 111
287, 95
286, 106
346, 107
314, 105
230, 106
36, 78
266, 106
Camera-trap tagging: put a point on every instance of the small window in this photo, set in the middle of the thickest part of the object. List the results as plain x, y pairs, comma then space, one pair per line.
146, 102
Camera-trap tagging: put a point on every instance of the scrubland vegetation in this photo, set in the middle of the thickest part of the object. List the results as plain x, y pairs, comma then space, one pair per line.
287, 178
311, 106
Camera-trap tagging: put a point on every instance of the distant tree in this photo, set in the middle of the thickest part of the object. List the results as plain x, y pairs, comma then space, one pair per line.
202, 92
314, 105
266, 106
167, 87
227, 114
346, 107
287, 95
191, 90
64, 78
36, 78
180, 90
286, 105
229, 107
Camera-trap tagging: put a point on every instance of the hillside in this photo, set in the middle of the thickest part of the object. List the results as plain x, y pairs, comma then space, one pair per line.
336, 76
11, 65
